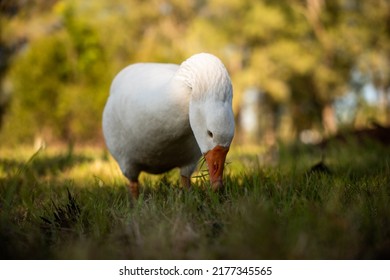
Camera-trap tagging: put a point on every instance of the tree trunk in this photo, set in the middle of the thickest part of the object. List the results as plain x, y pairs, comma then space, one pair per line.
384, 99
329, 120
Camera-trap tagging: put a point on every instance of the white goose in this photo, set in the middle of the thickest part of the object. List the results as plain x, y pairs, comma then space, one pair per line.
162, 116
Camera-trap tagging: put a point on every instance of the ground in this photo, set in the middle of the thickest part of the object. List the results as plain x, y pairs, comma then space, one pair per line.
328, 202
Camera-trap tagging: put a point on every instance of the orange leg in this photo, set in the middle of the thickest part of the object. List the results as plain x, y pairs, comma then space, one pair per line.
185, 182
134, 189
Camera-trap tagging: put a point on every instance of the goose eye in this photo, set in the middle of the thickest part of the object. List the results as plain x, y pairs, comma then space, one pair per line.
209, 133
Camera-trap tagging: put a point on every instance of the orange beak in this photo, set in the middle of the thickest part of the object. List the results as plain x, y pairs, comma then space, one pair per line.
215, 160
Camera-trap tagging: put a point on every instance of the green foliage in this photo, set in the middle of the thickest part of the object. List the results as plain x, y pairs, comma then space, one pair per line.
59, 89
38, 89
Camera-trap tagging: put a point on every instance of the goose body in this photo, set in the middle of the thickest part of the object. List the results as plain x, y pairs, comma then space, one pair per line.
161, 116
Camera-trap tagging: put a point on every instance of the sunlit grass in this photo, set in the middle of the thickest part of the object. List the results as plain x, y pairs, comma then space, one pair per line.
280, 209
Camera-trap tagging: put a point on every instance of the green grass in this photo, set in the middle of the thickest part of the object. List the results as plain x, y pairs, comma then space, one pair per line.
73, 204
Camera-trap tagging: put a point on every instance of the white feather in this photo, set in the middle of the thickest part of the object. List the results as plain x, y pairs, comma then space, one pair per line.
157, 116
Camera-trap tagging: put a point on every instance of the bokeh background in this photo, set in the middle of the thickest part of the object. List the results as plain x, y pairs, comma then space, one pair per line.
302, 70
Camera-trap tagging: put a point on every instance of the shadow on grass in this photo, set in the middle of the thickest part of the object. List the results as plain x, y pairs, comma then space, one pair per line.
42, 164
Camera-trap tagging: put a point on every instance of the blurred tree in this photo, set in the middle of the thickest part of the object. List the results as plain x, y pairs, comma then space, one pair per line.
7, 48
299, 54
374, 59
59, 82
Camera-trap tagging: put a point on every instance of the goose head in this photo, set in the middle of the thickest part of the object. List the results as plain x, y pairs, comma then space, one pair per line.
210, 110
